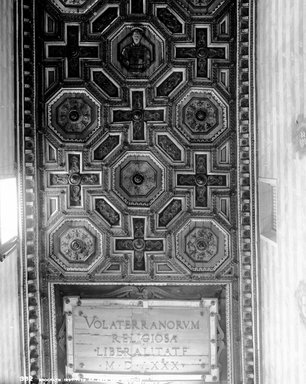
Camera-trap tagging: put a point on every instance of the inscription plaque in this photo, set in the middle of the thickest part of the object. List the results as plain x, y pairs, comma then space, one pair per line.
137, 341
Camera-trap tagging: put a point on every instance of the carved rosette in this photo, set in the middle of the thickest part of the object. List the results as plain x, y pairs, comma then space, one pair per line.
76, 245
74, 115
201, 115
138, 179
202, 245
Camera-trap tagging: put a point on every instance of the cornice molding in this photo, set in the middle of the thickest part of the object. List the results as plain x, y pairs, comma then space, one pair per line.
246, 142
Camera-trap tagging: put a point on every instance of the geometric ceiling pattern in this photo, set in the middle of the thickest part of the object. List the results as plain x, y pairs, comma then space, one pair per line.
139, 129
141, 162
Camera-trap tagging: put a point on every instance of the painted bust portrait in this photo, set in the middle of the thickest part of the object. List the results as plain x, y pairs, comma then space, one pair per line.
136, 56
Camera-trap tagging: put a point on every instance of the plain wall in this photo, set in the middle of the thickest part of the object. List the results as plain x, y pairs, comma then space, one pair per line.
281, 96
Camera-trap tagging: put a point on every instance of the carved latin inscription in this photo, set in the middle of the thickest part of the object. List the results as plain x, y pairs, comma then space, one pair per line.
175, 338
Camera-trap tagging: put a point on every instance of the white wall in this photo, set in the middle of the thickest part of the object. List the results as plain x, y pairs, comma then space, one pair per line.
281, 92
10, 359
7, 157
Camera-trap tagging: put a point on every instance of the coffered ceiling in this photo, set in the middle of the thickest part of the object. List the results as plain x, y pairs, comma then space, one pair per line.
137, 141
137, 164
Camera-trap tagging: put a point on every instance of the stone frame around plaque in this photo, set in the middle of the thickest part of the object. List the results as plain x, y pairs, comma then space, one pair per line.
74, 308
60, 335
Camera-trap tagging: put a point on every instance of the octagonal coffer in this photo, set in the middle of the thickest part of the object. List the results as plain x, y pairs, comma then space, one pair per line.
202, 245
201, 115
76, 245
74, 114
138, 179
137, 51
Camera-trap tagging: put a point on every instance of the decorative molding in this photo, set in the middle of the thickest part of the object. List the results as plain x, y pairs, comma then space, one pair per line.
247, 178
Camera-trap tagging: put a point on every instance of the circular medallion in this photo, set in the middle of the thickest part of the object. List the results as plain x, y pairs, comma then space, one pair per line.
75, 53
138, 178
77, 245
201, 115
137, 115
75, 178
201, 245
202, 52
139, 244
74, 115
201, 180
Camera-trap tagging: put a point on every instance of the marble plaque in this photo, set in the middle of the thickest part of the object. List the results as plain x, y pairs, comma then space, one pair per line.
142, 340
